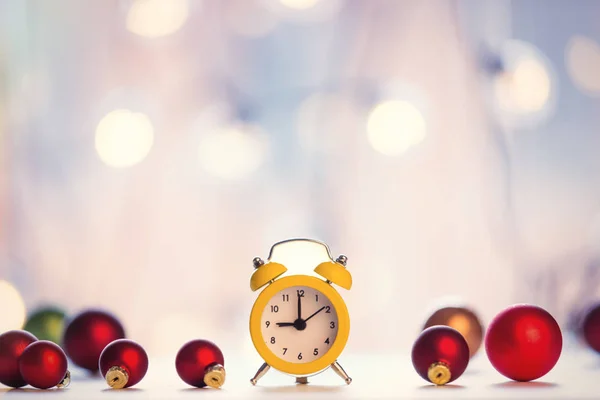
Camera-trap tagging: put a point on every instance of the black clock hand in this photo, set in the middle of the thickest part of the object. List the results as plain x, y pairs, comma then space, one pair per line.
285, 324
315, 313
299, 306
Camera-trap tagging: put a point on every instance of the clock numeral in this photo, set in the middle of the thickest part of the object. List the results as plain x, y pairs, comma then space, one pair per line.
327, 341
317, 296
300, 293
327, 310
284, 350
274, 308
332, 324
268, 323
300, 356
286, 297
272, 339
316, 352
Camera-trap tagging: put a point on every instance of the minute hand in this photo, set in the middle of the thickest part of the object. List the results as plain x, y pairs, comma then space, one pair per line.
315, 313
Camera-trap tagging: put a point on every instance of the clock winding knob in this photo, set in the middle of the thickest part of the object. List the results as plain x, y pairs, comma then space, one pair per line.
342, 259
257, 262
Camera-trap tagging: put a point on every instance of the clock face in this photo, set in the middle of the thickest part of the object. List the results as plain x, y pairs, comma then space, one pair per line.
299, 324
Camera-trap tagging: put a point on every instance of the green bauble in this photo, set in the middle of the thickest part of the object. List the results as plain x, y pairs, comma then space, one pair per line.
46, 323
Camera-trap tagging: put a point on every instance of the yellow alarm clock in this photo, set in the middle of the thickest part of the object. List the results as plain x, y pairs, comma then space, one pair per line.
300, 324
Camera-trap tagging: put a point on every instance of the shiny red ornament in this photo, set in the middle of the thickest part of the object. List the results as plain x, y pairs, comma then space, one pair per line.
43, 365
88, 334
523, 342
440, 354
12, 345
590, 327
123, 363
200, 363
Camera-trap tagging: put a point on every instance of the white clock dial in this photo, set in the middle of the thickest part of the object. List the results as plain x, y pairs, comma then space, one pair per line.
299, 338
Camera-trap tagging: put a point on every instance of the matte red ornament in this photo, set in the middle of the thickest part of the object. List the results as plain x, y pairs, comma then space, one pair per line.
43, 365
88, 334
200, 363
590, 327
12, 345
123, 363
523, 342
440, 354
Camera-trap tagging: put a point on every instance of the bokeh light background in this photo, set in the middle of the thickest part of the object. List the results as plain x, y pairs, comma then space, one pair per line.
151, 148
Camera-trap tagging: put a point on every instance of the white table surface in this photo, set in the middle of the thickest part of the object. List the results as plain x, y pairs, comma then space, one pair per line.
375, 377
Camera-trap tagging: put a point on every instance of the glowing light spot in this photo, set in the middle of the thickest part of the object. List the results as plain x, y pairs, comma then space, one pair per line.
12, 311
234, 151
124, 138
156, 18
583, 63
526, 89
395, 126
299, 4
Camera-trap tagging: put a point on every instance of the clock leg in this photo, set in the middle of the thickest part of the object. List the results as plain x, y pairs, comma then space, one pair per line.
302, 380
260, 373
340, 371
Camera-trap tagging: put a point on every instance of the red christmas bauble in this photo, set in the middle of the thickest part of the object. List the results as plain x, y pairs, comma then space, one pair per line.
590, 327
43, 365
88, 334
123, 363
523, 342
200, 363
12, 345
440, 354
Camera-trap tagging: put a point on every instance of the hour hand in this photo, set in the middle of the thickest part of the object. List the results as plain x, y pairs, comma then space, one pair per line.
285, 324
